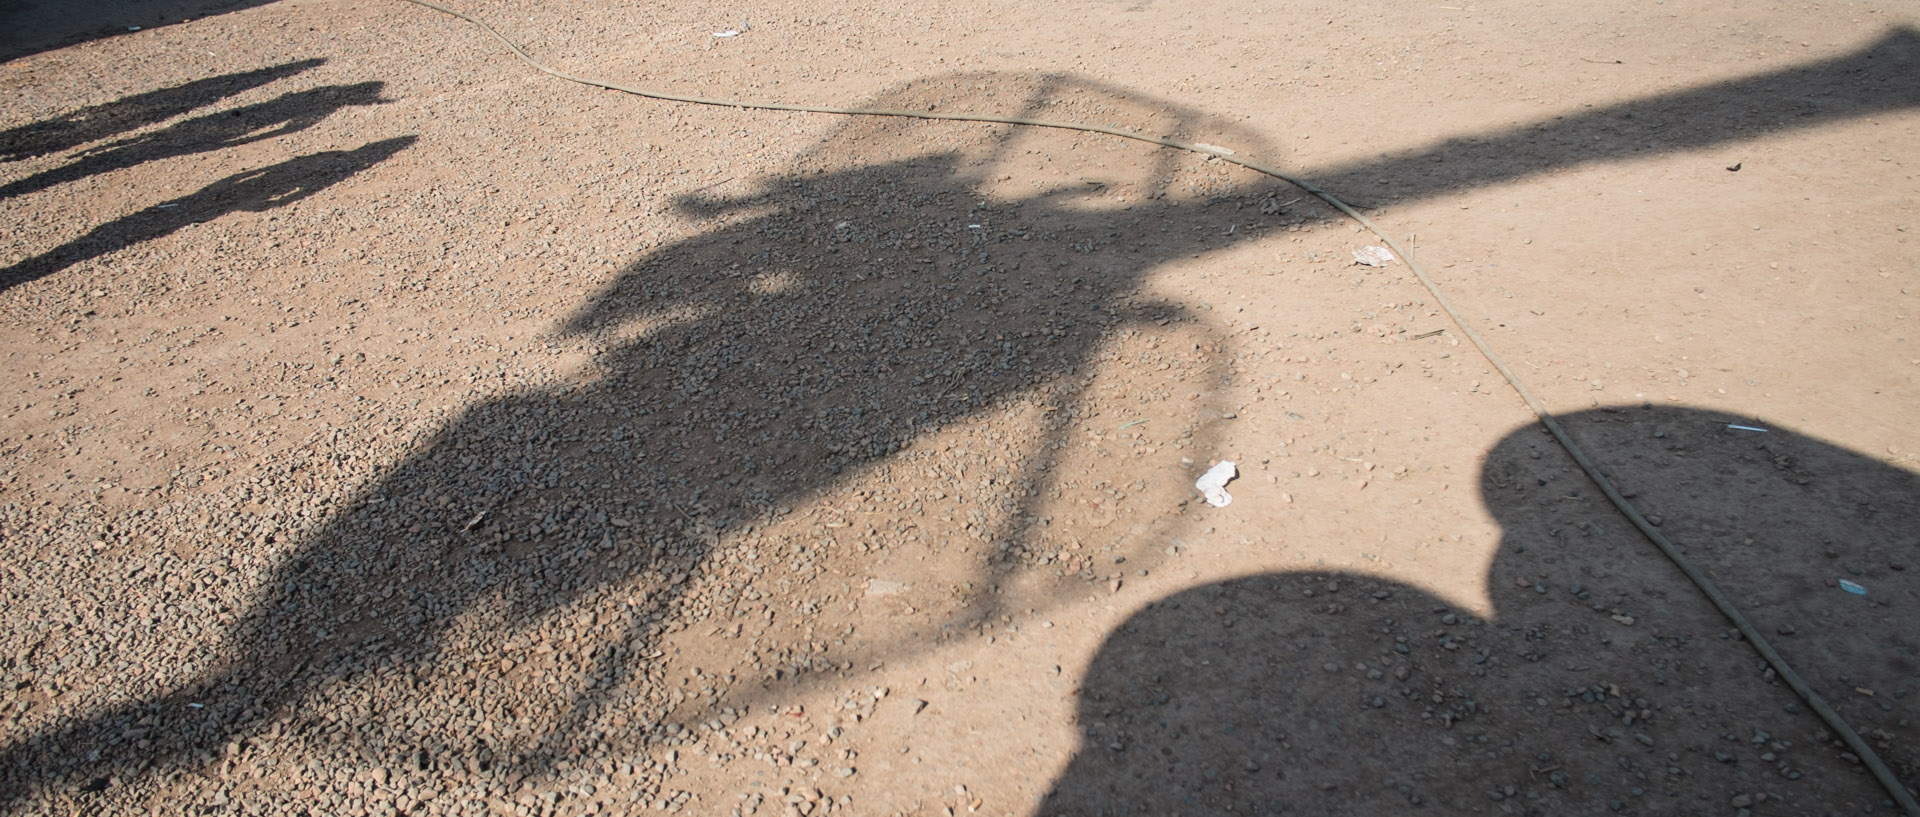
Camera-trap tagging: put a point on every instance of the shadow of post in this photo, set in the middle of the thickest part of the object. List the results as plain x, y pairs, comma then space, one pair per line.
1602, 683
1875, 79
289, 113
97, 122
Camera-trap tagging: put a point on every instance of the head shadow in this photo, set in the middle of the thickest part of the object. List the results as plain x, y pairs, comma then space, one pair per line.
1601, 683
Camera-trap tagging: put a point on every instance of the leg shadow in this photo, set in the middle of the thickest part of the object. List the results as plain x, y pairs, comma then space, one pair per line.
31, 26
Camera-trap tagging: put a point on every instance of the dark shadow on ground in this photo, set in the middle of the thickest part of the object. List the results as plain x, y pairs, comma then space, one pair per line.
289, 113
879, 293
252, 190
1876, 79
32, 26
1602, 683
889, 287
97, 122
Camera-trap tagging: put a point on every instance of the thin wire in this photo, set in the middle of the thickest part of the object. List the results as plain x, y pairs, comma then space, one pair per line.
1706, 586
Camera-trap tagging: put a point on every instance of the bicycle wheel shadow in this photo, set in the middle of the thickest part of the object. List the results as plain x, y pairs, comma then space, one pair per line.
1602, 683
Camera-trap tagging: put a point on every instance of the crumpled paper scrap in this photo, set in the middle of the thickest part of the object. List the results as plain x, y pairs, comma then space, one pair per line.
1213, 483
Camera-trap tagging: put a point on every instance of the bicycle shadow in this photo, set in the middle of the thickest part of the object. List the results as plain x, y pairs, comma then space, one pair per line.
1602, 682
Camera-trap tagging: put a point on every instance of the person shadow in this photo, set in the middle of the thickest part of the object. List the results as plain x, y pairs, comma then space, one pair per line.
818, 324
247, 191
289, 113
1600, 681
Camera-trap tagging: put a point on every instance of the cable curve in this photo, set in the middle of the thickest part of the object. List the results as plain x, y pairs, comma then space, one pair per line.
1720, 601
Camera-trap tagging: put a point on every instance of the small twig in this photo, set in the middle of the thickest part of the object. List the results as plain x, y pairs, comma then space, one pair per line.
709, 186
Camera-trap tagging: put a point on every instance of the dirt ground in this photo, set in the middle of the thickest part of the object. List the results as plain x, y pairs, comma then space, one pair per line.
392, 429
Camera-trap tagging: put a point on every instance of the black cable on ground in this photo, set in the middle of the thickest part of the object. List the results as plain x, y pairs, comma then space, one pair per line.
1706, 586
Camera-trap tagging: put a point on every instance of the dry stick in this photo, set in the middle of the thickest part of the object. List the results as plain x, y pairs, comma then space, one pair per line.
1720, 601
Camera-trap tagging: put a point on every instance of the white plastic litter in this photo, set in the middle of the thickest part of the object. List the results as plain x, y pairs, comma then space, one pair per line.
1213, 483
731, 32
1373, 256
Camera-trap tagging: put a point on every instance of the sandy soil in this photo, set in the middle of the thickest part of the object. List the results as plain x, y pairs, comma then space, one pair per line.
390, 429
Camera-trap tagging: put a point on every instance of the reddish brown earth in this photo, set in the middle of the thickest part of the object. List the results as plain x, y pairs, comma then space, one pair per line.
389, 428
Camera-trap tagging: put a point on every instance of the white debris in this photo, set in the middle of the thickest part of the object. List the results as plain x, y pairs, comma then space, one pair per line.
1213, 483
882, 587
1373, 256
